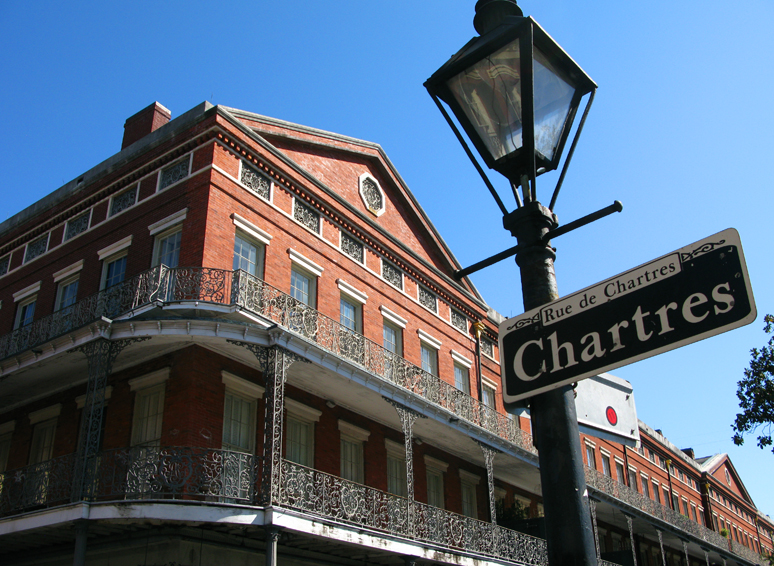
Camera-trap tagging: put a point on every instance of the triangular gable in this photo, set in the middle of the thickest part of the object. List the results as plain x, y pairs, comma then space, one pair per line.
722, 469
341, 164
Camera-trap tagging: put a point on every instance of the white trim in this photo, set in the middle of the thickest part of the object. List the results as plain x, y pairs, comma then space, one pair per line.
167, 222
149, 380
590, 443
251, 229
68, 271
301, 411
616, 458
429, 340
113, 249
462, 360
469, 477
352, 292
395, 449
80, 400
26, 292
305, 263
436, 464
7, 427
500, 493
604, 452
45, 414
396, 319
488, 382
375, 212
241, 385
353, 431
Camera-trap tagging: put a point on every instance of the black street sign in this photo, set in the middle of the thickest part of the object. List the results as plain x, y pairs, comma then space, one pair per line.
683, 297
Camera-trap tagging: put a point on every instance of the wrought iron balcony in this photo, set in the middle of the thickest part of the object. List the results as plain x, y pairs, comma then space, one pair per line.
345, 501
162, 285
607, 486
152, 473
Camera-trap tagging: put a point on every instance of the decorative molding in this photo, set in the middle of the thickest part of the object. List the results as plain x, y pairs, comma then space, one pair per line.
353, 431
469, 477
241, 385
372, 194
149, 380
45, 414
168, 222
68, 271
488, 382
113, 249
26, 292
351, 291
80, 400
251, 229
304, 262
395, 449
302, 411
436, 464
394, 318
462, 360
7, 427
429, 340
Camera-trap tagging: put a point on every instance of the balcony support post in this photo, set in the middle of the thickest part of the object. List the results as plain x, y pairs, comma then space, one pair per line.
630, 523
685, 549
100, 355
274, 362
81, 536
272, 541
661, 545
595, 527
706, 555
489, 454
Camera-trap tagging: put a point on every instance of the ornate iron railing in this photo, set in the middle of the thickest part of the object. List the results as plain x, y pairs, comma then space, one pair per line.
137, 473
332, 497
607, 486
259, 297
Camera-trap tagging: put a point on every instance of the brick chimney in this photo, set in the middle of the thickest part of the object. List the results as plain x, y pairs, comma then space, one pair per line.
144, 122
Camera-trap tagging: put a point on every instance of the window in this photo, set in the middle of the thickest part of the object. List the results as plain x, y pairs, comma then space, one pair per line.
428, 299
685, 507
67, 292
36, 248
396, 468
352, 461
350, 315
238, 423
255, 181
656, 493
5, 449
489, 395
468, 483
77, 225
372, 194
606, 465
392, 338
461, 378
459, 321
392, 274
633, 483
693, 513
148, 416
645, 488
675, 502
122, 201
435, 470
5, 264
306, 216
42, 445
302, 286
619, 471
352, 247
166, 248
25, 312
487, 347
113, 271
591, 460
174, 173
248, 255
299, 442
429, 359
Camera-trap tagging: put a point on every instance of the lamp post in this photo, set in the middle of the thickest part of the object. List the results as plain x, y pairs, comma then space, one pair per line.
515, 92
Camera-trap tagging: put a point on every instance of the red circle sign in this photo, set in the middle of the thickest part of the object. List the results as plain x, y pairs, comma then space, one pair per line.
612, 416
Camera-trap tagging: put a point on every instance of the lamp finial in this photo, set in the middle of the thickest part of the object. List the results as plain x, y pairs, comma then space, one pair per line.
490, 14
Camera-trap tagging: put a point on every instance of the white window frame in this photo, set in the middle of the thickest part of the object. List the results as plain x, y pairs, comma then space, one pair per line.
136, 190
307, 416
88, 227
436, 468
606, 457
470, 482
60, 288
144, 386
357, 437
260, 251
250, 392
160, 237
112, 253
25, 261
426, 341
487, 383
20, 307
159, 188
397, 452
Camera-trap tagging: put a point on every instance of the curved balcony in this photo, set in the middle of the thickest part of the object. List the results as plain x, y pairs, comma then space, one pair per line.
240, 290
222, 476
607, 487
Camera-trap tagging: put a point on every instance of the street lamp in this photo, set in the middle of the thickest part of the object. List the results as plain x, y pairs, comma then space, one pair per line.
516, 93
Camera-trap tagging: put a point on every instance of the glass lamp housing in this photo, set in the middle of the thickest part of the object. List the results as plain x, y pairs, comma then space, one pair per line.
515, 92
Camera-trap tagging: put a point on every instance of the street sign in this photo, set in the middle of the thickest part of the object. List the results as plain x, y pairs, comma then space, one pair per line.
693, 293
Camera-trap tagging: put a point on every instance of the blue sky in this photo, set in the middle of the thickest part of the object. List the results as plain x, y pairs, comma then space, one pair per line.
680, 132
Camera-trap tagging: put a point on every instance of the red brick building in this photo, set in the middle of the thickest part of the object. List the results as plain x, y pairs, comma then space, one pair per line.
239, 340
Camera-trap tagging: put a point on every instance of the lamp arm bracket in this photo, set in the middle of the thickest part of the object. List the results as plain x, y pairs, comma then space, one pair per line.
569, 227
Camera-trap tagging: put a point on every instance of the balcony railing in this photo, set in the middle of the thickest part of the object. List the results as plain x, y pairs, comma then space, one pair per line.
345, 501
615, 489
201, 474
162, 285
